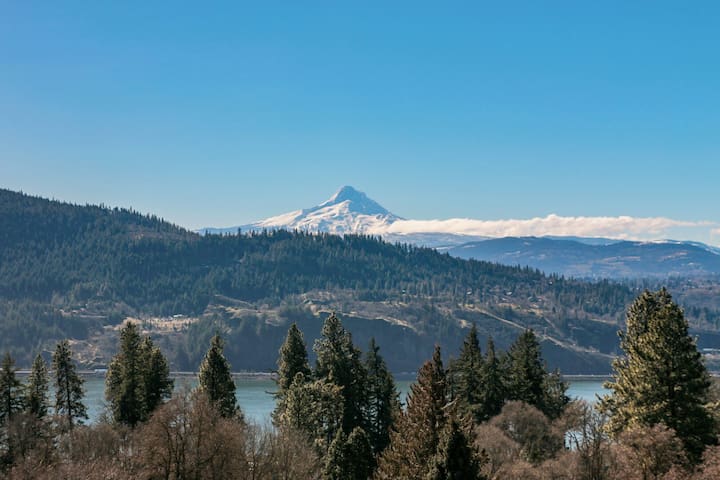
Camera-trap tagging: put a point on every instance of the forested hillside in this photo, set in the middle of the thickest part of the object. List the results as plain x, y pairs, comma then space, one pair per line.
79, 271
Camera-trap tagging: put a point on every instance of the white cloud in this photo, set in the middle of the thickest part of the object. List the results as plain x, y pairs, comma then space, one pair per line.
622, 227
715, 232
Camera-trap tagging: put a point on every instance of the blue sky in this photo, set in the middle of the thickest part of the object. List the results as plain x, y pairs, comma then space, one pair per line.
224, 113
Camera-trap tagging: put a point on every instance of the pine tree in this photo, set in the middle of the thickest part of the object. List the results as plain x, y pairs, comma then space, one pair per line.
292, 359
36, 397
455, 458
359, 455
525, 370
467, 379
383, 399
11, 390
338, 362
529, 381
315, 409
124, 384
661, 379
416, 434
349, 457
215, 379
492, 395
138, 379
157, 384
68, 386
336, 464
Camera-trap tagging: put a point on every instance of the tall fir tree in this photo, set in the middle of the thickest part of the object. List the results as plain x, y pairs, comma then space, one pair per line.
11, 390
339, 362
414, 439
138, 379
465, 373
157, 384
383, 406
455, 458
36, 395
313, 408
124, 384
529, 381
292, 359
215, 379
661, 379
525, 370
492, 395
349, 457
68, 386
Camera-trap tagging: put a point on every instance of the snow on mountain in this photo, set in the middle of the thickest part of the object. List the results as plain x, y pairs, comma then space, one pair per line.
348, 211
351, 211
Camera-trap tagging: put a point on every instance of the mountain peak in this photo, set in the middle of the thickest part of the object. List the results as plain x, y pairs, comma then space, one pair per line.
357, 202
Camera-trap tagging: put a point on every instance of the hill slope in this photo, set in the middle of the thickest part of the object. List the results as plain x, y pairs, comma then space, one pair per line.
79, 271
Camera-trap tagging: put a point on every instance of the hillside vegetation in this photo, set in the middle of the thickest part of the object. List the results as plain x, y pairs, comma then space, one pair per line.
79, 271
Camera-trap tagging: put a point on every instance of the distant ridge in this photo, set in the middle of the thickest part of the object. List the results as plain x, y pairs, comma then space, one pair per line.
350, 211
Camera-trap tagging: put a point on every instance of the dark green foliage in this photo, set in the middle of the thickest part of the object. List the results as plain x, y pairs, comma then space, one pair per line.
661, 379
11, 391
349, 457
138, 379
383, 400
156, 376
414, 439
293, 358
215, 379
36, 394
528, 380
466, 377
68, 386
493, 393
313, 408
124, 384
455, 458
338, 362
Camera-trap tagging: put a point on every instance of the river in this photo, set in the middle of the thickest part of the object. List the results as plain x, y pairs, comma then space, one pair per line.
254, 395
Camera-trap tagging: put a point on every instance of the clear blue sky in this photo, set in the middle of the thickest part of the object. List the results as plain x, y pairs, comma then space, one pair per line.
223, 113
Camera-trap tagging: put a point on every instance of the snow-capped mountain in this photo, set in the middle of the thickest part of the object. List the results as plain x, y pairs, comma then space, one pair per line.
351, 211
348, 211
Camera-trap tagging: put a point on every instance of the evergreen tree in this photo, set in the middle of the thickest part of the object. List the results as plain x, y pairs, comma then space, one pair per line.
158, 386
124, 384
467, 379
359, 455
68, 386
293, 359
315, 409
138, 379
661, 379
525, 370
36, 395
383, 402
11, 390
338, 361
336, 464
349, 457
416, 434
529, 381
455, 458
492, 395
215, 379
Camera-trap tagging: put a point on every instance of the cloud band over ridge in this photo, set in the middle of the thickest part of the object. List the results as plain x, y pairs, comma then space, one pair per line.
621, 227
